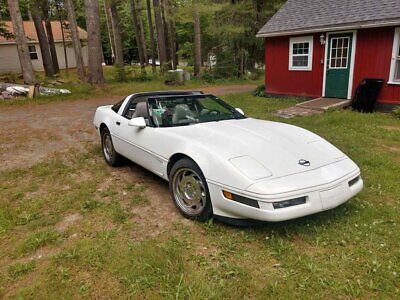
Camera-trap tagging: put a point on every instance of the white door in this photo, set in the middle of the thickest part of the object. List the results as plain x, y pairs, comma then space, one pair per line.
136, 143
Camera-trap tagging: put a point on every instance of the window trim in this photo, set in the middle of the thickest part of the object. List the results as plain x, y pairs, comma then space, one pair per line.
395, 58
33, 52
303, 39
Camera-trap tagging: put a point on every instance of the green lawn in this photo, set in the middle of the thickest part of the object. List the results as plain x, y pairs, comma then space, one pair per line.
349, 252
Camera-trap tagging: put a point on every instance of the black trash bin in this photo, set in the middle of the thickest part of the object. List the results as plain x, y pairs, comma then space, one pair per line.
366, 94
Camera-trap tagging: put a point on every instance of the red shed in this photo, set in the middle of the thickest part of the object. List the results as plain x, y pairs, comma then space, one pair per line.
325, 48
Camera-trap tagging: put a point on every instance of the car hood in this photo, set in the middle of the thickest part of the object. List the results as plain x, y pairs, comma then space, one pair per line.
262, 149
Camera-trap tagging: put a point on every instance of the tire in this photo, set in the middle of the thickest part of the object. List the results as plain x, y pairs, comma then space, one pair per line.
107, 148
189, 190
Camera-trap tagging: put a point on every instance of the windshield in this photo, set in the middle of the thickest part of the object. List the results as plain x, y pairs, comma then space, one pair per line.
185, 110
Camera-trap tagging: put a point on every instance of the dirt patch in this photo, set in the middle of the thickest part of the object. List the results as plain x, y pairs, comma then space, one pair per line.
159, 214
395, 148
391, 128
68, 221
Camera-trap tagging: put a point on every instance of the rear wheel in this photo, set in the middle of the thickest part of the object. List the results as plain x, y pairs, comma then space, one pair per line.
189, 190
110, 155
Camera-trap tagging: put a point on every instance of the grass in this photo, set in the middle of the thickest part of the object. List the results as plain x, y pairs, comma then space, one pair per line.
349, 252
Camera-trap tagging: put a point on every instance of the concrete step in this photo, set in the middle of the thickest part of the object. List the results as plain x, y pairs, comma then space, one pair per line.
323, 104
295, 111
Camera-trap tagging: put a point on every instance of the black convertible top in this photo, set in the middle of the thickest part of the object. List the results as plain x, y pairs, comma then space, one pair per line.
147, 95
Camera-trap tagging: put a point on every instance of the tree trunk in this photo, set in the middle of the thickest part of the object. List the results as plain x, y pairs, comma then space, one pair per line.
162, 53
197, 43
119, 55
52, 45
75, 39
62, 26
43, 42
50, 37
142, 33
109, 29
152, 41
164, 14
22, 43
95, 75
175, 57
136, 28
172, 42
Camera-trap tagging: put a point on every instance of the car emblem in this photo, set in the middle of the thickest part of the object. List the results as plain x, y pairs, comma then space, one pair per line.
305, 163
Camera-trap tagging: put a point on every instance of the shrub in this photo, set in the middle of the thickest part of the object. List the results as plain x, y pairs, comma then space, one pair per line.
207, 76
225, 67
259, 91
255, 75
142, 77
396, 112
172, 78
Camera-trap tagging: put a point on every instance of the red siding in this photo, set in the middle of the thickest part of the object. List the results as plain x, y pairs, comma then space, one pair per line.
278, 78
373, 58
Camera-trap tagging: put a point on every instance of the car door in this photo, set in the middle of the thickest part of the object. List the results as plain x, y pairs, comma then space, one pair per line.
136, 143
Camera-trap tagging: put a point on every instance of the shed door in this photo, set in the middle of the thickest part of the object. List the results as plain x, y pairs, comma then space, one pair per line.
338, 65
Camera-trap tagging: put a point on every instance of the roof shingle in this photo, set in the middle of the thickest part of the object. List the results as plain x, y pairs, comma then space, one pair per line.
30, 32
309, 15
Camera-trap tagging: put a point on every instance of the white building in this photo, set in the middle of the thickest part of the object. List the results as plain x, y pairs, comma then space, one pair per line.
9, 61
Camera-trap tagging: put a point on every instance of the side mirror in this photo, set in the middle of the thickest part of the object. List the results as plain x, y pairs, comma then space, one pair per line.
240, 110
137, 122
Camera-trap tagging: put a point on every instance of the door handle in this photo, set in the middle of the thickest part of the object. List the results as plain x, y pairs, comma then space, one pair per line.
118, 123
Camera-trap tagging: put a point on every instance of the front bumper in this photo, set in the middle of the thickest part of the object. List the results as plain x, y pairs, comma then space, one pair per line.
321, 198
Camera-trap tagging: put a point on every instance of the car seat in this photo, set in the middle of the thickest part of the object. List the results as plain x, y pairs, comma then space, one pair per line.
141, 111
180, 114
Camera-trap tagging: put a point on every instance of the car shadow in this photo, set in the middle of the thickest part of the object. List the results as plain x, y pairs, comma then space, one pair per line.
327, 219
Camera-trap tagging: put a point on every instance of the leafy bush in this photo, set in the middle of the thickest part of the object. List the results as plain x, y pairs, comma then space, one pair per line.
396, 112
259, 91
225, 67
142, 77
255, 75
172, 78
207, 76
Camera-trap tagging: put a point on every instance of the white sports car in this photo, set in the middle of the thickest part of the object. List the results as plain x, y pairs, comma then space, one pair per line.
219, 162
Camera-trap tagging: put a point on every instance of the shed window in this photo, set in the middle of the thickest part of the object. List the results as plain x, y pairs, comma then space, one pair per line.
300, 53
394, 76
32, 52
339, 53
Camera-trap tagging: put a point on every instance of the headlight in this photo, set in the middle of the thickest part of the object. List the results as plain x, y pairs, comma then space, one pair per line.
250, 167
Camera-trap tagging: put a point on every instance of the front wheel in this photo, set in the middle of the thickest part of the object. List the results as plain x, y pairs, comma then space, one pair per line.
110, 155
189, 190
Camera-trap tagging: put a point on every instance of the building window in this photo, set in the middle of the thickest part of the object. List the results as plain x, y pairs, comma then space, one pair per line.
32, 52
394, 76
339, 56
300, 53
